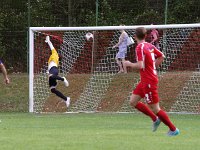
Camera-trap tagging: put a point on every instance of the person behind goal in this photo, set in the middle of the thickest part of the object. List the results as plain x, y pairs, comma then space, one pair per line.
148, 58
122, 45
53, 63
155, 38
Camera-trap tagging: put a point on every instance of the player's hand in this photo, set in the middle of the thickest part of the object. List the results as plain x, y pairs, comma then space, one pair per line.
127, 63
7, 81
47, 39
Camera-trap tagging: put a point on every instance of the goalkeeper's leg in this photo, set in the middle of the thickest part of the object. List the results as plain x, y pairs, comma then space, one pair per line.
53, 84
59, 94
53, 77
56, 77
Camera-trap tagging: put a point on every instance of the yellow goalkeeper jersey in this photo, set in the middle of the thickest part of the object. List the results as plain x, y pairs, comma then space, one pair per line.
54, 57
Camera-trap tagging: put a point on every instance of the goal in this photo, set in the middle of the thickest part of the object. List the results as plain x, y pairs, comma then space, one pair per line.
90, 67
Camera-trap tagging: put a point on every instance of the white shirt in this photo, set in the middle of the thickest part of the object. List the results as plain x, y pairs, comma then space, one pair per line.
52, 64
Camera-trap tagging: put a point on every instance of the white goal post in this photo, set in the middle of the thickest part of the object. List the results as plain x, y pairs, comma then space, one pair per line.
179, 42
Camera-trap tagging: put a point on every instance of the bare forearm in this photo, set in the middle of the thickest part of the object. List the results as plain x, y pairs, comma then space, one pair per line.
3, 69
137, 65
159, 61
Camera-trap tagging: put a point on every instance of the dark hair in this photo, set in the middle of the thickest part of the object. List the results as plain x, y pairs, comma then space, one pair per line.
141, 33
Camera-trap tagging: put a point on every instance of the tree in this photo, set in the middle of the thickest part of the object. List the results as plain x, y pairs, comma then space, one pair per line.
13, 25
184, 11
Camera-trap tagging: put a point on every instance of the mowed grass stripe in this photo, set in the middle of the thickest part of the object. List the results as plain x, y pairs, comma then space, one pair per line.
94, 131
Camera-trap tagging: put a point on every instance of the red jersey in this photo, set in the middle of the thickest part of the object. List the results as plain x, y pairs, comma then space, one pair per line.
147, 53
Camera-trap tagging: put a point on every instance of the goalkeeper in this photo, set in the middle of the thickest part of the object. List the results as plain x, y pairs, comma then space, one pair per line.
53, 63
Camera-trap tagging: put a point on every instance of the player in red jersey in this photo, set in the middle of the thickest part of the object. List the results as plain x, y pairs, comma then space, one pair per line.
148, 59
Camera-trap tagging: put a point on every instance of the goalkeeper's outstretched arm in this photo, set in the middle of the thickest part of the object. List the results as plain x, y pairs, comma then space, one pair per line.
49, 43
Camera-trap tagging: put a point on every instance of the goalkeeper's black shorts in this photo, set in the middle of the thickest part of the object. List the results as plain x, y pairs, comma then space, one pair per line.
53, 71
52, 81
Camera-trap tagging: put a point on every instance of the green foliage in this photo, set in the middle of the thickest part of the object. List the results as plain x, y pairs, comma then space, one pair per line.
41, 13
13, 24
14, 18
2, 47
184, 11
148, 17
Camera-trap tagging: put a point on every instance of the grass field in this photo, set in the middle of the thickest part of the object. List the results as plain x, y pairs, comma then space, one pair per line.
23, 131
14, 96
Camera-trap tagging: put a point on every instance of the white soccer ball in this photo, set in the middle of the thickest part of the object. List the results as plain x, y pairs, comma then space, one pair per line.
89, 36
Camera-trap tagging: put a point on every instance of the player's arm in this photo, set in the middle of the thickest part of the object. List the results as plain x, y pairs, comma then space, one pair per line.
155, 37
137, 65
49, 43
121, 38
160, 57
159, 60
140, 63
3, 69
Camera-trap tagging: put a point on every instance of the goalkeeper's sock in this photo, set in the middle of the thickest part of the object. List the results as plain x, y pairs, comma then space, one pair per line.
67, 101
57, 77
144, 109
59, 94
165, 119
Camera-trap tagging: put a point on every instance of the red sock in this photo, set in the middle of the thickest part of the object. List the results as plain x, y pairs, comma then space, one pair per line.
143, 108
165, 119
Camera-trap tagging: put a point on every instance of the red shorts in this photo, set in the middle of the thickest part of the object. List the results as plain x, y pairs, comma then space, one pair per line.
147, 91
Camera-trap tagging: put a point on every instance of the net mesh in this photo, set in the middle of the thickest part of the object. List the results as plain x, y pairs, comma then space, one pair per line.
95, 84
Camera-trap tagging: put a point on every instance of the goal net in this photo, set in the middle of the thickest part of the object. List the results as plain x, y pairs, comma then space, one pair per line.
92, 71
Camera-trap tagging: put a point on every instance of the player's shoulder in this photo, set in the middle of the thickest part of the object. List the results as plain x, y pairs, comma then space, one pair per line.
148, 45
145, 46
140, 45
124, 33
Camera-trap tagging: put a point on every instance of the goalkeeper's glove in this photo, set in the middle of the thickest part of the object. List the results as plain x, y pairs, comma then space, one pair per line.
47, 39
